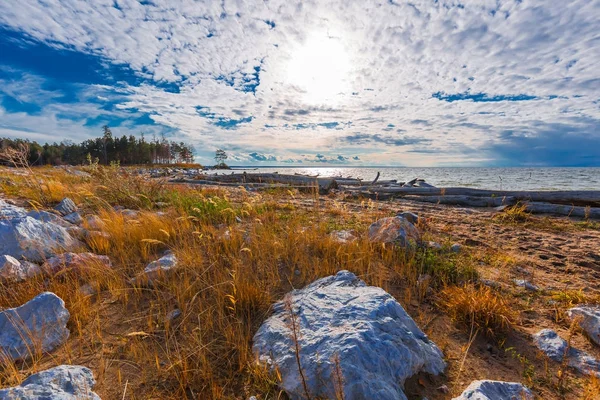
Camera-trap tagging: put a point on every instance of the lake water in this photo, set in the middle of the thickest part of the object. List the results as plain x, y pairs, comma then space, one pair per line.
487, 178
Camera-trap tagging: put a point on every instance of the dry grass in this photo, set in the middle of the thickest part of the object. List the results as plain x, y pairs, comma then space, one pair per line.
236, 258
479, 307
238, 253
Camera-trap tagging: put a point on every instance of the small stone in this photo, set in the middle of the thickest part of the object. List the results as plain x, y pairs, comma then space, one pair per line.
433, 245
409, 216
66, 206
73, 218
343, 236
526, 284
14, 270
589, 320
395, 230
94, 222
76, 261
444, 389
173, 315
456, 248
495, 390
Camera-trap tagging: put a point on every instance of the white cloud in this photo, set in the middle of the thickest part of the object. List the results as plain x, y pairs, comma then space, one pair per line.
398, 55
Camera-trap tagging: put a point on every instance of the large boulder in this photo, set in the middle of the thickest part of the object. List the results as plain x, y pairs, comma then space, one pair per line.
589, 320
76, 261
556, 348
66, 206
39, 325
14, 270
65, 382
495, 390
28, 238
397, 230
345, 332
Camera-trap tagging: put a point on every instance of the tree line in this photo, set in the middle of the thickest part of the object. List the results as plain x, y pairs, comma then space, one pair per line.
106, 149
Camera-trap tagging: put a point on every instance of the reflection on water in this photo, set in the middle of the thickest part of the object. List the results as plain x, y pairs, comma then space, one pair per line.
488, 178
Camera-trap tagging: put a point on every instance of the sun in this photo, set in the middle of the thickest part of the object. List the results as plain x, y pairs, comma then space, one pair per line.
320, 68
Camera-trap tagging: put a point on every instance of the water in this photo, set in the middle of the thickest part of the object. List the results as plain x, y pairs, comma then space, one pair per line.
539, 178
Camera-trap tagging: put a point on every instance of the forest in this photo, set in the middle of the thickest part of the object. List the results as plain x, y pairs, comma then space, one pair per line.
106, 149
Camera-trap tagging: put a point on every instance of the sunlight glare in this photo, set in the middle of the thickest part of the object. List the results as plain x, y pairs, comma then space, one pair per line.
320, 69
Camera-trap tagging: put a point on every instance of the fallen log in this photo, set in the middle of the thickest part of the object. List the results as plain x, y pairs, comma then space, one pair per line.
582, 197
324, 184
468, 201
559, 209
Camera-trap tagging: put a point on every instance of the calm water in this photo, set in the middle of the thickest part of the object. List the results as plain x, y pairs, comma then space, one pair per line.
487, 178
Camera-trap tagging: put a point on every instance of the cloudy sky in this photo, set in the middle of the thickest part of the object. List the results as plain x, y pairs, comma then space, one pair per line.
294, 82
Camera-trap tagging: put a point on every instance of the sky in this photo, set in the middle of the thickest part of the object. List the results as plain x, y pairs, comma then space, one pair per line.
309, 83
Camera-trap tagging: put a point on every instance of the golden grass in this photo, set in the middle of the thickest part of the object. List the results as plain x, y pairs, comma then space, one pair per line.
478, 307
238, 253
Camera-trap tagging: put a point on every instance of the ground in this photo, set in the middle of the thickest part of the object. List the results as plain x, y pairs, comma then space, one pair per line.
242, 251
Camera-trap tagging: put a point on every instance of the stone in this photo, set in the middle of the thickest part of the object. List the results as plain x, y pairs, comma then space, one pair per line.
94, 222
589, 320
73, 218
556, 348
45, 216
65, 382
456, 248
495, 390
76, 261
526, 284
9, 211
173, 315
66, 206
28, 238
14, 270
433, 245
345, 327
130, 213
343, 236
38, 326
394, 230
409, 216
163, 264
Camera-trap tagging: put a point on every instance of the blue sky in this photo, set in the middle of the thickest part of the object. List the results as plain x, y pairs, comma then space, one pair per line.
291, 82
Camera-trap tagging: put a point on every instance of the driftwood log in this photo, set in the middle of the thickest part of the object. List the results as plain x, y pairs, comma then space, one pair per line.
468, 201
560, 209
581, 198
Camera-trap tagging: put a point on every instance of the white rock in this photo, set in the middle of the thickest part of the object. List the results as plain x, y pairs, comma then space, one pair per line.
376, 342
556, 348
396, 230
65, 382
40, 325
495, 390
433, 245
66, 206
456, 248
589, 320
343, 236
161, 265
73, 218
31, 239
12, 269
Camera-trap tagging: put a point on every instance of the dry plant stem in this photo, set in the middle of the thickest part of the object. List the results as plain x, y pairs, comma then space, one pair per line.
295, 329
